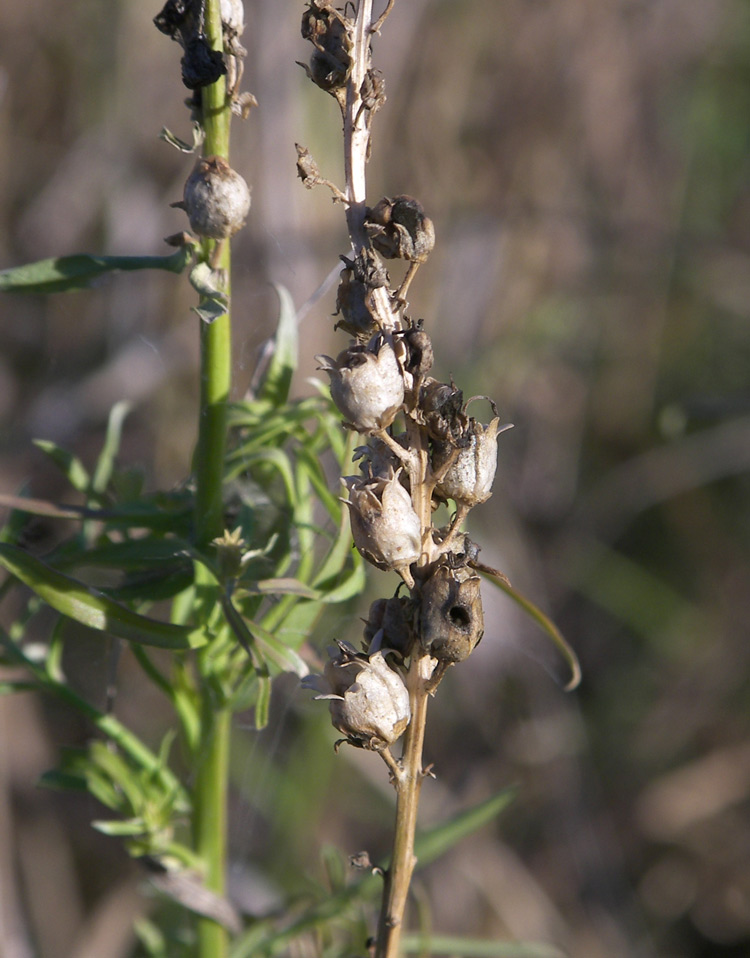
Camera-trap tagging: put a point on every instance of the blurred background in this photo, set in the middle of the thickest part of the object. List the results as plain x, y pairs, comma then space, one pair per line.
585, 163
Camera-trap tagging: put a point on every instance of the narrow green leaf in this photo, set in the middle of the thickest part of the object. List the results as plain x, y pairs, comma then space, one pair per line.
9, 686
106, 461
120, 829
278, 376
63, 781
65, 273
542, 620
284, 586
134, 515
434, 843
71, 466
280, 655
90, 607
478, 948
263, 702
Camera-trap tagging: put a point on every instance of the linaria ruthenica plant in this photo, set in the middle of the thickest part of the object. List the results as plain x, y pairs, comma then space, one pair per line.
213, 587
420, 449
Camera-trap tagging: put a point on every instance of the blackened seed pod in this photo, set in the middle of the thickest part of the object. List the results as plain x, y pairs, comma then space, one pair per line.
451, 617
216, 199
392, 618
400, 229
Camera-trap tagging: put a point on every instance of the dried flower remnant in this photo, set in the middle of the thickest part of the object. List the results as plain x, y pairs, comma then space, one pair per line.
368, 700
385, 527
470, 468
390, 625
216, 199
183, 21
367, 384
331, 35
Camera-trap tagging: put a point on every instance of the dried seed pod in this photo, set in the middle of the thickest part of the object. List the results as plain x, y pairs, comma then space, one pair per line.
369, 702
367, 384
468, 481
216, 199
378, 460
182, 20
400, 229
331, 35
442, 411
421, 355
451, 619
390, 624
385, 528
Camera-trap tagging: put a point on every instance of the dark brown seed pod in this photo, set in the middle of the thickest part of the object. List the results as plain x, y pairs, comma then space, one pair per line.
400, 229
451, 617
331, 35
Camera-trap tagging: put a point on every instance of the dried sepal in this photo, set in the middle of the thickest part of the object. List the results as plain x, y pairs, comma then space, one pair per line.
451, 618
367, 384
385, 527
378, 460
368, 700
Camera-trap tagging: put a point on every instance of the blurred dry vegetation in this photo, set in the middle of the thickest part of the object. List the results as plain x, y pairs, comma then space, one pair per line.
586, 166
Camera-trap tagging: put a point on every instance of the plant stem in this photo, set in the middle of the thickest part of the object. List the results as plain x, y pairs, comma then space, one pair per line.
210, 791
210, 819
408, 786
216, 341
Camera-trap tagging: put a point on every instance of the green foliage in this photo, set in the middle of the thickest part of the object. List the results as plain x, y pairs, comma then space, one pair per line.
62, 274
236, 614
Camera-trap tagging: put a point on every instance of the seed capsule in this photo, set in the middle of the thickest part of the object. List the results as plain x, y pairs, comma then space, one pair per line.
367, 384
451, 617
469, 480
368, 700
385, 527
216, 199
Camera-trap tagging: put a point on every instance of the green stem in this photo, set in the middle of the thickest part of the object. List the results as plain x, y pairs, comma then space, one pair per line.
210, 792
210, 819
216, 339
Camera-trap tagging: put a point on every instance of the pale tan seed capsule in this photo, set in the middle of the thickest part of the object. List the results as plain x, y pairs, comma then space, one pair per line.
469, 480
368, 700
385, 528
367, 384
216, 199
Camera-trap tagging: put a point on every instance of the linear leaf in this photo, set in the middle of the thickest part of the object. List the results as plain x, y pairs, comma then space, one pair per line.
62, 274
72, 598
278, 376
434, 843
478, 948
542, 620
71, 466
